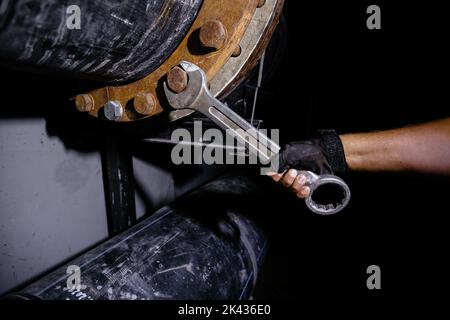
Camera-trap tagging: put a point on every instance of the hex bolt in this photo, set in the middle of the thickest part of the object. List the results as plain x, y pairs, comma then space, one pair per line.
84, 102
177, 79
144, 103
261, 3
237, 51
213, 35
113, 110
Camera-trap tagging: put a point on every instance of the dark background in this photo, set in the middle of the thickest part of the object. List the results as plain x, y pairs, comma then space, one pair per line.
335, 74
338, 74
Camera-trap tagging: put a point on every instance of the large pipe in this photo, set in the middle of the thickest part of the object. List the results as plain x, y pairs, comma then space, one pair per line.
117, 41
209, 245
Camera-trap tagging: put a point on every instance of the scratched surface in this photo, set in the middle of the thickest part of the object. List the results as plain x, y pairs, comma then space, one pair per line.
200, 248
117, 41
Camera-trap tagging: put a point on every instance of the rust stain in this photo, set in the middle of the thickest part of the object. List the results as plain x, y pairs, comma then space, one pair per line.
235, 16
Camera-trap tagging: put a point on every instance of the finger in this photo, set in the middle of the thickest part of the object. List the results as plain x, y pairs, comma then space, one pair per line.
304, 192
299, 183
277, 177
289, 178
274, 175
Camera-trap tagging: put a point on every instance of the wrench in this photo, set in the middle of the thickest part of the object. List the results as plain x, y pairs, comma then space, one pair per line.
196, 96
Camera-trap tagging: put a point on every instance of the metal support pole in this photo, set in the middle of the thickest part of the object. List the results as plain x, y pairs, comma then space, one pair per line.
118, 181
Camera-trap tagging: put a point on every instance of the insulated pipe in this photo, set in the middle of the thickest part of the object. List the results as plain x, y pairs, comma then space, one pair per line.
110, 40
208, 245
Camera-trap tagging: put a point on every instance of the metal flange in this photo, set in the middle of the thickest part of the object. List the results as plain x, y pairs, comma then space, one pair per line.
219, 28
246, 55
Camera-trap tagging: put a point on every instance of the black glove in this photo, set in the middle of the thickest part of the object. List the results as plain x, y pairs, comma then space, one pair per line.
324, 155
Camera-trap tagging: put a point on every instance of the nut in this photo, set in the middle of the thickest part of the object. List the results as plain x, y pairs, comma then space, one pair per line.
213, 35
177, 79
84, 102
113, 110
144, 103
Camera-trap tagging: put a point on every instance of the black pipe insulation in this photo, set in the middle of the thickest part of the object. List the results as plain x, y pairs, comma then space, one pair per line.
208, 245
115, 41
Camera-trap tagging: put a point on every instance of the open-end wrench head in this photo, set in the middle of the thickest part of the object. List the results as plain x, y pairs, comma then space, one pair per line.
189, 66
195, 87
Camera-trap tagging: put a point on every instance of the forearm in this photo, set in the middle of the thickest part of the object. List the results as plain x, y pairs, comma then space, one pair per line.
422, 148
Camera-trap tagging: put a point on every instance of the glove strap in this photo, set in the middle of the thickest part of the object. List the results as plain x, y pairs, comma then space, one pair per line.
334, 150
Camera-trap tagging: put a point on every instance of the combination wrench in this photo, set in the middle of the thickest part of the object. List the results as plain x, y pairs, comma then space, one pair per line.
196, 96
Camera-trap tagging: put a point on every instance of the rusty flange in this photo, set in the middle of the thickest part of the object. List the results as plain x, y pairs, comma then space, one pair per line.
247, 54
251, 47
234, 15
217, 31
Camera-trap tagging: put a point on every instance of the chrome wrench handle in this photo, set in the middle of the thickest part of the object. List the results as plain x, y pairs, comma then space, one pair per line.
256, 142
197, 97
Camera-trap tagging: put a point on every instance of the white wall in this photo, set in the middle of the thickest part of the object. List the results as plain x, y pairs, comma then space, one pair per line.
52, 204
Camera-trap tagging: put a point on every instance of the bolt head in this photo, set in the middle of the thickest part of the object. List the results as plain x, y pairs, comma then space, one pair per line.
113, 110
84, 102
177, 79
213, 35
144, 103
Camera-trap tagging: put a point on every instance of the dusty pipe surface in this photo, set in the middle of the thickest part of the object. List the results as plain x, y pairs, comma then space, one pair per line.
109, 41
208, 245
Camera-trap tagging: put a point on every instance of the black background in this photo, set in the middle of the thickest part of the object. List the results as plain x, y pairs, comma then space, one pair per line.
338, 74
